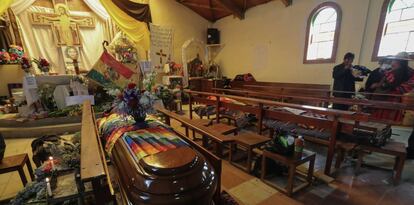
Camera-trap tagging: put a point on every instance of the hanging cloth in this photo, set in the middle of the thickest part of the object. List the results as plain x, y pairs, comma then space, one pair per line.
137, 31
140, 12
5, 4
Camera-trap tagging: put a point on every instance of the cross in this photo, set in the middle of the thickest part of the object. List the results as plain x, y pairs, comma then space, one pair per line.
161, 54
65, 27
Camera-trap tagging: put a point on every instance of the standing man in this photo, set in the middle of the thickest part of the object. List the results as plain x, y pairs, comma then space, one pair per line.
344, 80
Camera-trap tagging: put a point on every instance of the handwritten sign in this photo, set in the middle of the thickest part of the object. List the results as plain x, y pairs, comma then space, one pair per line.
161, 45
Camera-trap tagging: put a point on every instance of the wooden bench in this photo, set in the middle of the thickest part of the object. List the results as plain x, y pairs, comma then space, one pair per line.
16, 163
292, 163
93, 167
396, 149
249, 141
207, 132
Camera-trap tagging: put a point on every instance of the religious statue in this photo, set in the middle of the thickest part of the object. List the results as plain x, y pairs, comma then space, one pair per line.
196, 67
65, 26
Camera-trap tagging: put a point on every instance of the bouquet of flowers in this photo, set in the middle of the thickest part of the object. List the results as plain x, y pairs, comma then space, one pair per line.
16, 53
149, 81
42, 64
131, 101
26, 64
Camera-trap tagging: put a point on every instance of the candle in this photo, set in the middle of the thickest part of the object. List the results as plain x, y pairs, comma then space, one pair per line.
49, 189
52, 162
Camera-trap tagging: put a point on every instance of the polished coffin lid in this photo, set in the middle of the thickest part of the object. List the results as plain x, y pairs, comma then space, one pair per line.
155, 166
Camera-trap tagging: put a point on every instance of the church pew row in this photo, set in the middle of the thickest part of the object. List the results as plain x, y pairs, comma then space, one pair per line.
324, 101
330, 125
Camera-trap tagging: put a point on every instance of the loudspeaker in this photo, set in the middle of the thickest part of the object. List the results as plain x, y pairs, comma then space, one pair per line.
213, 36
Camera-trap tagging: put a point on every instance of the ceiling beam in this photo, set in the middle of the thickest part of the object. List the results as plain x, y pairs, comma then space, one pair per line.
287, 2
232, 7
201, 6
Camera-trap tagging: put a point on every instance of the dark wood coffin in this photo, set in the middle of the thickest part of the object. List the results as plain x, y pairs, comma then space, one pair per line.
179, 175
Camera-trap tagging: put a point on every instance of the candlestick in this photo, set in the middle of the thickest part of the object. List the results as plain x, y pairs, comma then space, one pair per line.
52, 162
49, 189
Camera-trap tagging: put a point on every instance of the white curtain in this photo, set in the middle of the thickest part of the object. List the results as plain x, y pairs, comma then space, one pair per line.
21, 5
97, 7
39, 42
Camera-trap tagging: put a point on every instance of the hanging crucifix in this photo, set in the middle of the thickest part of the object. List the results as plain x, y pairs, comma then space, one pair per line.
65, 26
161, 54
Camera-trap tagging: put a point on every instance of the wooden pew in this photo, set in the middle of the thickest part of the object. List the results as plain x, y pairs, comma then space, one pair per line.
200, 128
93, 167
331, 124
337, 121
376, 104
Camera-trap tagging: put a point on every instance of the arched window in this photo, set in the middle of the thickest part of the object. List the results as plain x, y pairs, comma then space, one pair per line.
322, 35
396, 29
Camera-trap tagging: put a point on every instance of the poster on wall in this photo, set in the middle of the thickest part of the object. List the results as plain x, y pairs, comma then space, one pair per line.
161, 45
71, 57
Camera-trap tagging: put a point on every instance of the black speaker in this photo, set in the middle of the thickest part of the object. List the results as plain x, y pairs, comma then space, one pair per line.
213, 36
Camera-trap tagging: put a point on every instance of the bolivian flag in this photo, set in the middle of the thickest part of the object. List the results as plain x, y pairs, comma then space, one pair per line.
109, 72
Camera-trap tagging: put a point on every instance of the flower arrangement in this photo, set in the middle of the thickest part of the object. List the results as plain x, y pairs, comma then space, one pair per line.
26, 64
149, 81
12, 56
176, 69
42, 64
131, 101
124, 49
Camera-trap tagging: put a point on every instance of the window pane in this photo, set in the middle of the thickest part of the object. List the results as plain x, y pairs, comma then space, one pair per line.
394, 16
312, 52
322, 34
393, 44
322, 37
407, 14
410, 45
398, 29
325, 50
326, 27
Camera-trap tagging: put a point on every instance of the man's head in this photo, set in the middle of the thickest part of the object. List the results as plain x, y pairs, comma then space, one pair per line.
349, 59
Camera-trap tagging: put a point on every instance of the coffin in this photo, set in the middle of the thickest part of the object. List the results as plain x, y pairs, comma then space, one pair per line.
154, 165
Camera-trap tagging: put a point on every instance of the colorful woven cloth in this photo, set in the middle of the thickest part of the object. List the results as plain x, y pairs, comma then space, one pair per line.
151, 141
154, 139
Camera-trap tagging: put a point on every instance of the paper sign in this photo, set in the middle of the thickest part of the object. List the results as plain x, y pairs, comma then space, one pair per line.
79, 99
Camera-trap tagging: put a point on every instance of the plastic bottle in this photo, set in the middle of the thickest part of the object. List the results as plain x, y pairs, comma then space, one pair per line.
299, 145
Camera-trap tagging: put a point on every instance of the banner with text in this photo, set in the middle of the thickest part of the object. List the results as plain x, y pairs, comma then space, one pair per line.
161, 46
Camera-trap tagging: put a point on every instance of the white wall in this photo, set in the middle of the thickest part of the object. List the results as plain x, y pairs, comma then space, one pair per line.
185, 23
269, 42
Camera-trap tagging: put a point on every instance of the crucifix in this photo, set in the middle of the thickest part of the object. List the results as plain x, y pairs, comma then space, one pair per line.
161, 54
65, 26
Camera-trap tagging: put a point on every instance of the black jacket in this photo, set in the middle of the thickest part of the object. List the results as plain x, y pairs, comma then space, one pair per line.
374, 77
343, 81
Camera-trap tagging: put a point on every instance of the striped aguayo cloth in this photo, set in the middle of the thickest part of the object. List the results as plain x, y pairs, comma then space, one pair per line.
140, 142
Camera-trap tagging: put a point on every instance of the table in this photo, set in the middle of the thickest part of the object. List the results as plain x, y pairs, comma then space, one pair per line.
248, 140
292, 163
16, 163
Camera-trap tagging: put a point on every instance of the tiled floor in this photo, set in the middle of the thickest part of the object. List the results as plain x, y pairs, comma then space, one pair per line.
10, 183
371, 186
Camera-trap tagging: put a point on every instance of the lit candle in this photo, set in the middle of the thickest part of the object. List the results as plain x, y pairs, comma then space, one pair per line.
52, 162
49, 189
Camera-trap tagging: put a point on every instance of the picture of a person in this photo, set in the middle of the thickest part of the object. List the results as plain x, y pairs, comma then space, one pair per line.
72, 53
